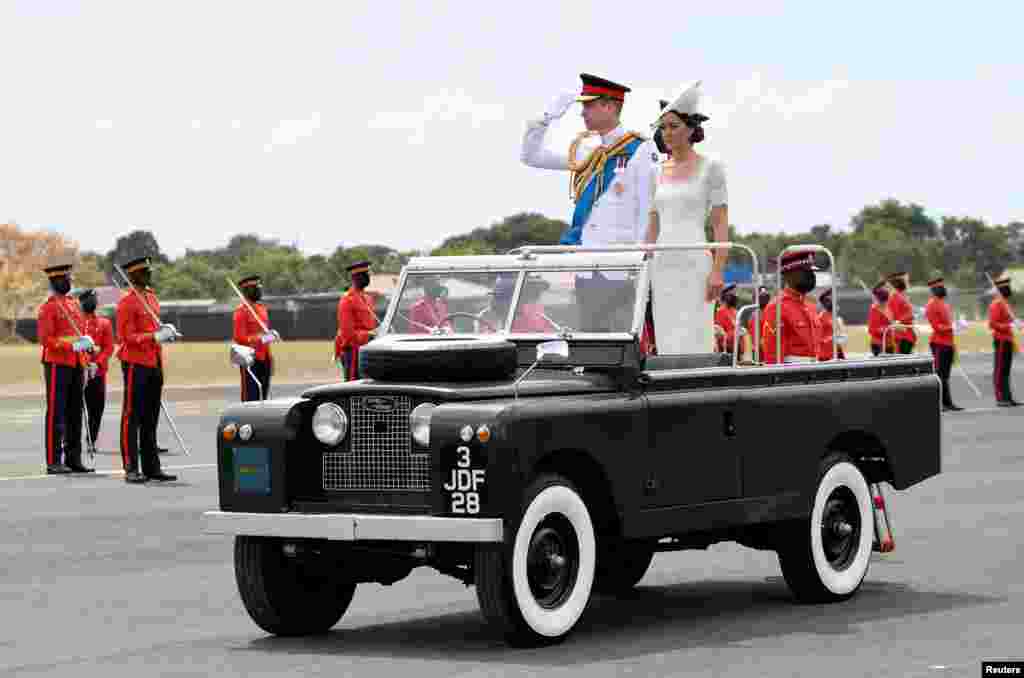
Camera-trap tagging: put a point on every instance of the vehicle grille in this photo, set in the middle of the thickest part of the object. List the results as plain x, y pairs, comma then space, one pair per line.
380, 455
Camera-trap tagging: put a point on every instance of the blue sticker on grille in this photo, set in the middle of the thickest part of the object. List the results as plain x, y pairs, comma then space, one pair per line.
252, 470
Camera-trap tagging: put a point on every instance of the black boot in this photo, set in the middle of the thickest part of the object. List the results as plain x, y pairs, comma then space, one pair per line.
57, 469
134, 477
162, 477
75, 463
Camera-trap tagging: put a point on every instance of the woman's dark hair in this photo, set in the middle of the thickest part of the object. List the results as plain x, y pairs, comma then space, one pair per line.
693, 121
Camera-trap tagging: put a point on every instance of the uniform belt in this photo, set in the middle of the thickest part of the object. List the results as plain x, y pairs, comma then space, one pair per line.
799, 359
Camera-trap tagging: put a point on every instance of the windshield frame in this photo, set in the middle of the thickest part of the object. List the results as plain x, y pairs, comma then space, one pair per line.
520, 267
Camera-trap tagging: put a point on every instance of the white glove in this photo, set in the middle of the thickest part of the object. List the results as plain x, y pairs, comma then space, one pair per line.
559, 106
166, 333
1019, 324
91, 370
960, 326
83, 343
270, 337
841, 340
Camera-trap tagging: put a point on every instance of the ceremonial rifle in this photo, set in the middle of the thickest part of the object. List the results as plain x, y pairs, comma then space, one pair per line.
156, 318
245, 302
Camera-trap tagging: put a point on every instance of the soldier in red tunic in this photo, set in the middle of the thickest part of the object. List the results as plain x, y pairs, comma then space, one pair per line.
102, 332
64, 355
825, 330
725, 317
141, 355
431, 311
878, 320
1003, 322
357, 322
940, 317
799, 325
249, 331
901, 313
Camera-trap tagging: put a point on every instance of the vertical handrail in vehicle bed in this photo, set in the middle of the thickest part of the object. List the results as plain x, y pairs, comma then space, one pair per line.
527, 250
778, 306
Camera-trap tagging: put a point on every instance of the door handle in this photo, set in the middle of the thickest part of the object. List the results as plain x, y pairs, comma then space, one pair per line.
728, 424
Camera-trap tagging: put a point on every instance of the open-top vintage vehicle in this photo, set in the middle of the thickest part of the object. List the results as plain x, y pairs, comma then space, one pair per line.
517, 438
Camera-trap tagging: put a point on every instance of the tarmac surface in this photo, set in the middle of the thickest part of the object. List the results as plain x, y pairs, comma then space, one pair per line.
104, 578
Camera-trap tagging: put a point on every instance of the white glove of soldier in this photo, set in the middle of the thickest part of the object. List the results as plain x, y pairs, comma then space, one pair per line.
841, 340
559, 106
166, 333
960, 326
1019, 324
270, 337
83, 343
91, 370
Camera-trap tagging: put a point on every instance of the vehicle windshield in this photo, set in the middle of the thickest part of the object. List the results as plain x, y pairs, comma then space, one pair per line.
551, 302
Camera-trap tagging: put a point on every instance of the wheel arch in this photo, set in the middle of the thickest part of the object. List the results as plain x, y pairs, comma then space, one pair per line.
580, 467
867, 451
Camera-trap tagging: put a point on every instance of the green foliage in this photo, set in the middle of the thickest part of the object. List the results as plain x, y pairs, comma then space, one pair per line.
138, 243
525, 228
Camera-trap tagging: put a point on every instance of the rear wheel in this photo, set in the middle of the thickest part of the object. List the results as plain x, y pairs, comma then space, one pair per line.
825, 558
300, 594
534, 589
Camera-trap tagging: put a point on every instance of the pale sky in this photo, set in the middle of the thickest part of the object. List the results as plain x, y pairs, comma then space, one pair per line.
399, 123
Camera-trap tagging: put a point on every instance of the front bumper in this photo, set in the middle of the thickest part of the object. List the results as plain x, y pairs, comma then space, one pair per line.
354, 527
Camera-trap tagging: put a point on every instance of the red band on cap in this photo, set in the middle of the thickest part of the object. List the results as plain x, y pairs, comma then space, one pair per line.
591, 91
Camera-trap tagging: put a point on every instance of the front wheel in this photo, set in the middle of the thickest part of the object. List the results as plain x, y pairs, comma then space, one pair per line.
534, 589
825, 558
297, 594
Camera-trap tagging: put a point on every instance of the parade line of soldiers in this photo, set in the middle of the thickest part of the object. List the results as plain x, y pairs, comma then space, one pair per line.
77, 346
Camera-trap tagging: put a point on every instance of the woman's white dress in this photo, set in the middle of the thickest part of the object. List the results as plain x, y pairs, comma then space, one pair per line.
682, 319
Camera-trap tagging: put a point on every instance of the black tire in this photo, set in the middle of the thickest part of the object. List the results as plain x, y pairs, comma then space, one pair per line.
438, 359
621, 566
524, 593
825, 557
286, 596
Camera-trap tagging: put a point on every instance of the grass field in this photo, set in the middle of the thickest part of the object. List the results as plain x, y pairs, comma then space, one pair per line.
202, 363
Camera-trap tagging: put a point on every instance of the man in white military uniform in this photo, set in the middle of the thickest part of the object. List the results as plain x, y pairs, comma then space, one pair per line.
611, 190
611, 186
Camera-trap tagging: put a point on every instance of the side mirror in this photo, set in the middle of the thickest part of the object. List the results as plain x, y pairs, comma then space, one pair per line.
242, 356
553, 351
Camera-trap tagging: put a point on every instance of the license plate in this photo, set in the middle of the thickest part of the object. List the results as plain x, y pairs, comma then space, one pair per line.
252, 470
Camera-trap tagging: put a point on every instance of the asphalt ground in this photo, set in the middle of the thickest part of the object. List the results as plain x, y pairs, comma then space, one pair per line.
104, 578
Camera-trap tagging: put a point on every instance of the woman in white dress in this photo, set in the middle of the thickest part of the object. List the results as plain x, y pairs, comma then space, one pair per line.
684, 189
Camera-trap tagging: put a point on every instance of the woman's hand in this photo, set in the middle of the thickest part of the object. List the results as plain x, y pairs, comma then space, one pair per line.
714, 286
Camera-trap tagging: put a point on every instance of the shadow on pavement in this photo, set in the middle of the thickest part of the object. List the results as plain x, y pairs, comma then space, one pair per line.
650, 620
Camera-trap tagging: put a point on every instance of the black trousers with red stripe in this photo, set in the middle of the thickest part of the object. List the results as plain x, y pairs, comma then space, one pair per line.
63, 422
95, 403
1001, 371
943, 358
140, 413
250, 390
350, 359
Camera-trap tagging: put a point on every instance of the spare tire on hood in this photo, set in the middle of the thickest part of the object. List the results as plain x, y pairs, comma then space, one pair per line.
438, 359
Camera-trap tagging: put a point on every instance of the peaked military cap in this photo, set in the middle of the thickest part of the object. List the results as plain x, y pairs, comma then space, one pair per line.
728, 288
85, 294
58, 266
358, 267
797, 260
936, 282
1004, 280
897, 276
251, 281
137, 264
598, 88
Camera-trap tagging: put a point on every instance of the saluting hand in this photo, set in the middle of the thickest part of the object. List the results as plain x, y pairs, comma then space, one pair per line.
559, 106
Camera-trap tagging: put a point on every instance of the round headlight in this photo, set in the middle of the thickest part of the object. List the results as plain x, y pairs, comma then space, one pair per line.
330, 424
419, 423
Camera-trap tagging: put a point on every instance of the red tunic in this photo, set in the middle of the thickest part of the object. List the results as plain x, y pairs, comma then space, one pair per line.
530, 318
102, 332
725, 318
248, 332
825, 329
427, 313
941, 319
56, 333
878, 320
750, 332
1000, 320
799, 327
902, 312
355, 320
135, 328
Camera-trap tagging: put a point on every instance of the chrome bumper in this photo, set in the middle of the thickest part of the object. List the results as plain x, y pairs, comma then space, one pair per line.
354, 526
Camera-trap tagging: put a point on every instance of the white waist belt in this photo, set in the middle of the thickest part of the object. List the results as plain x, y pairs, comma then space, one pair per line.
799, 359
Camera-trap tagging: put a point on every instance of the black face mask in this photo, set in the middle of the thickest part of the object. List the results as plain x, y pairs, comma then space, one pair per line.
1006, 292
806, 283
89, 305
827, 305
143, 278
763, 300
899, 284
939, 292
61, 285
882, 297
254, 293
730, 300
361, 280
